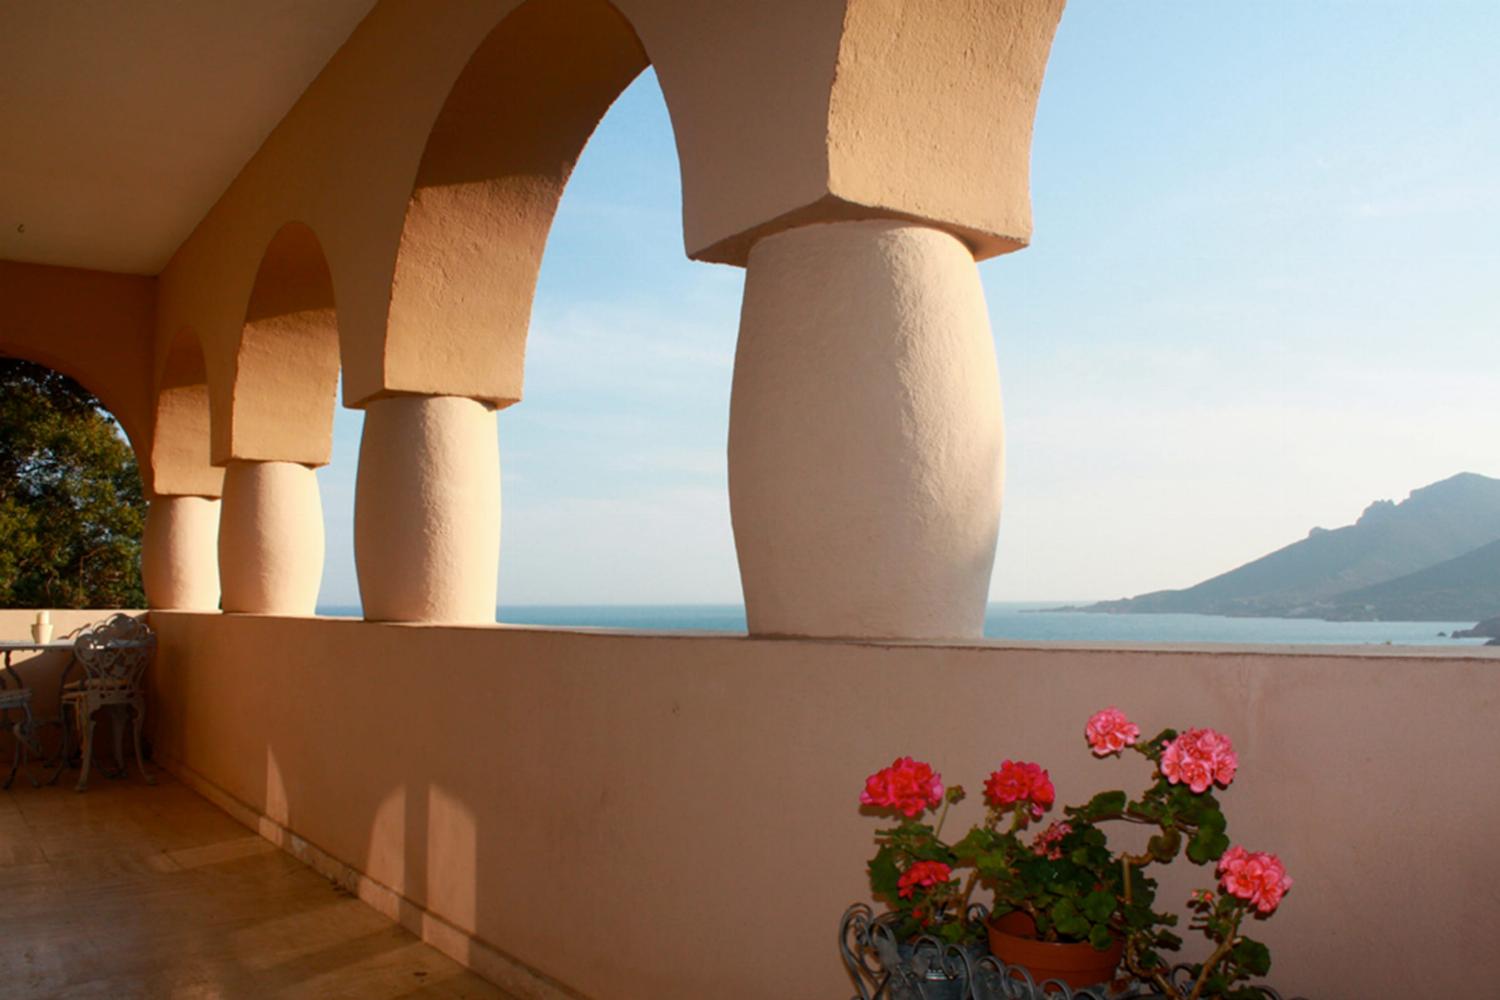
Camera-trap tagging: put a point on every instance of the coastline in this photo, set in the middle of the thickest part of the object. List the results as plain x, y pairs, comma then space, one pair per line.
1017, 620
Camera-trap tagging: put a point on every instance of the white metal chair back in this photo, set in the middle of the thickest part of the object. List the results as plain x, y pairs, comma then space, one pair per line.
115, 653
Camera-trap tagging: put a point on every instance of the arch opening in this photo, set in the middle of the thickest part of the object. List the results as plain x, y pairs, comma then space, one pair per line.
616, 460
493, 171
286, 368
71, 494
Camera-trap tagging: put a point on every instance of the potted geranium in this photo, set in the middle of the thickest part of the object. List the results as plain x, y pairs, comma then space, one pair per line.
1062, 889
913, 870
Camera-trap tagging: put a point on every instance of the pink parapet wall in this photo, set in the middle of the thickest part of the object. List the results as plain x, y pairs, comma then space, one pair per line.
671, 816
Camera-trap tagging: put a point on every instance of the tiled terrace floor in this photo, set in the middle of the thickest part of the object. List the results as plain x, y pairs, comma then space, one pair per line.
129, 891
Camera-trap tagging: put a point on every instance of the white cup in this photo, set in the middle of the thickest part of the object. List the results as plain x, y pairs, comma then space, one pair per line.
41, 632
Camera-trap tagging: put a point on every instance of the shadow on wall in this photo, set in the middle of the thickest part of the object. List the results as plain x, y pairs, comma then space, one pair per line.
651, 816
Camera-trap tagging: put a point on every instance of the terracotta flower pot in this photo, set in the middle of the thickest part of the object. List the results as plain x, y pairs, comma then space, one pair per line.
1079, 964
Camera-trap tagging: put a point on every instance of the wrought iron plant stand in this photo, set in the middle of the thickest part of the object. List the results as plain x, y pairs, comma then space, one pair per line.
885, 968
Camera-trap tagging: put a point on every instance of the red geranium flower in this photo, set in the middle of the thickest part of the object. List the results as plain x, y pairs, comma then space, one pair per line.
907, 786
923, 875
1020, 782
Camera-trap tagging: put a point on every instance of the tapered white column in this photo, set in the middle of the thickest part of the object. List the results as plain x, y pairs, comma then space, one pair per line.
180, 553
271, 538
427, 510
865, 440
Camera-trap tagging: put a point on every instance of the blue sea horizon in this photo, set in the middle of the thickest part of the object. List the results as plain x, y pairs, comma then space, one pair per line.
1027, 621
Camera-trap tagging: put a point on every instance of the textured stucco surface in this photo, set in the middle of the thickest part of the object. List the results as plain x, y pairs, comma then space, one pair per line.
419, 171
278, 405
180, 553
654, 816
428, 157
427, 510
865, 439
931, 111
270, 538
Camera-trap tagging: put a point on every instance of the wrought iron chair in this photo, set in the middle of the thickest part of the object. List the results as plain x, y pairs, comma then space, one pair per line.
114, 655
17, 699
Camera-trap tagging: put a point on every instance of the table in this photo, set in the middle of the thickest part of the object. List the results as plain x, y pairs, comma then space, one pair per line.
19, 699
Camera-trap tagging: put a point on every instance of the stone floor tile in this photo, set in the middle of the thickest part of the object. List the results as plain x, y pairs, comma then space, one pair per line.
129, 890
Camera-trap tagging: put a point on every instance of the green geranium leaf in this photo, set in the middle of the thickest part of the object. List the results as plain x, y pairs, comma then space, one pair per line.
1164, 846
1076, 927
1207, 845
993, 861
1208, 815
1148, 808
1064, 909
976, 842
1252, 956
1101, 938
885, 876
1217, 984
1181, 799
1105, 805
1098, 906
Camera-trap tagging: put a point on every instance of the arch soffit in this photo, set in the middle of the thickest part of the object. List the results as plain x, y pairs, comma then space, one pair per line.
278, 402
179, 463
785, 114
492, 172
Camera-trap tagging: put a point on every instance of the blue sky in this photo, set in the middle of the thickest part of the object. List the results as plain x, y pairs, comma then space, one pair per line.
1262, 292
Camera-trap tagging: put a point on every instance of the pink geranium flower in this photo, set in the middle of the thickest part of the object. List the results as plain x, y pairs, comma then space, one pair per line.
1047, 843
1199, 758
922, 875
1020, 782
907, 786
1108, 731
1257, 877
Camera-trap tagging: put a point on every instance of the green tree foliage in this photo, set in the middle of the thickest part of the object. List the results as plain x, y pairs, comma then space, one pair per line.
71, 508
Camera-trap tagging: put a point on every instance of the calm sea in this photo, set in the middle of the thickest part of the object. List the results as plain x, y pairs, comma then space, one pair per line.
1028, 621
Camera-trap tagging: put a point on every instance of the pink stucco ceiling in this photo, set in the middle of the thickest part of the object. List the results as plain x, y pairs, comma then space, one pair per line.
122, 122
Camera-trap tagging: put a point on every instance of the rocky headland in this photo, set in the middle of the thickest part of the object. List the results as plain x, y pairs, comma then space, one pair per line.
1435, 556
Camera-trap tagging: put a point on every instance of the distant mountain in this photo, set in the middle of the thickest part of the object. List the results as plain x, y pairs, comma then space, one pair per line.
1372, 569
1466, 588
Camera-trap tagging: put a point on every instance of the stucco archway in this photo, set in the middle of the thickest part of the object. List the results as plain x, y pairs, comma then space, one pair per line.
275, 426
179, 564
279, 402
491, 175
